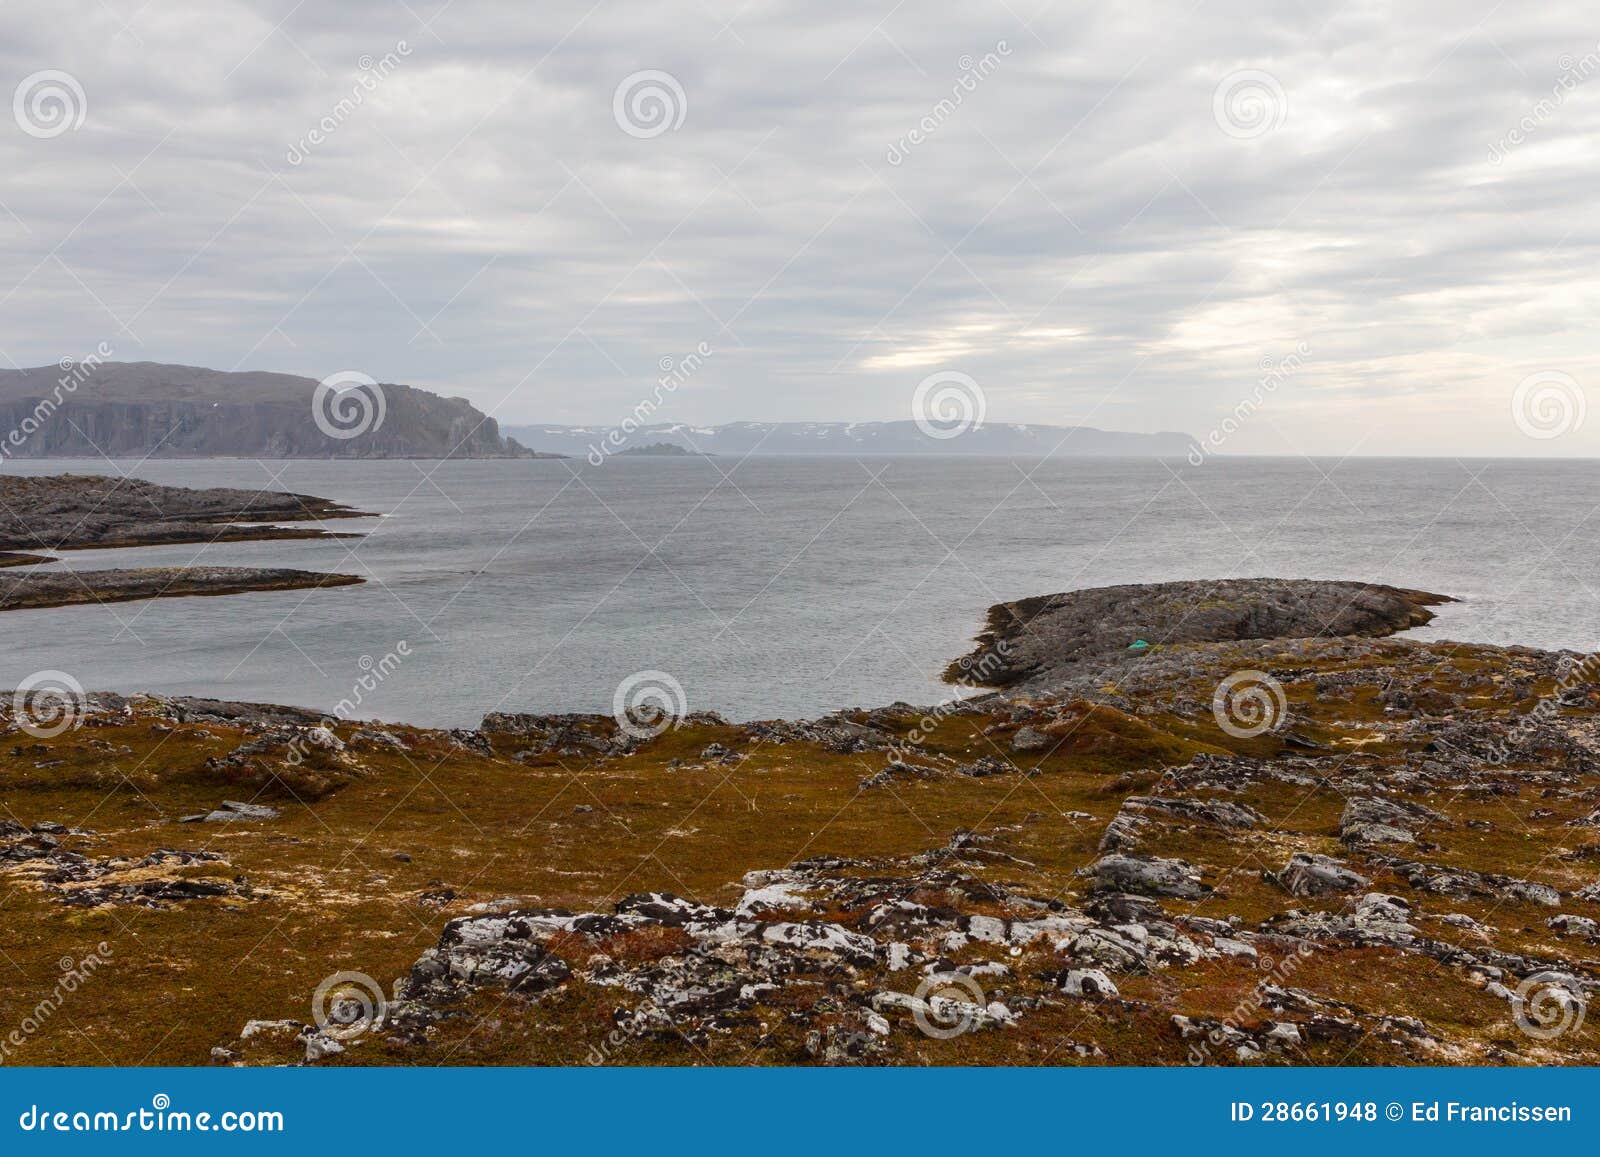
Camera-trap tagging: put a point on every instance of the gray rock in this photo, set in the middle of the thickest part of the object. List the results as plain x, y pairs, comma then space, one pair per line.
1147, 875
1027, 739
233, 811
1309, 874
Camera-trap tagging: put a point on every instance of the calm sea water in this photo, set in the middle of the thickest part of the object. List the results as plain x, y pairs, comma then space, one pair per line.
794, 586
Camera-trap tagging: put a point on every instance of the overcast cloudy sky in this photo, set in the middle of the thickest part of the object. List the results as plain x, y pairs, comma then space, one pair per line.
1109, 214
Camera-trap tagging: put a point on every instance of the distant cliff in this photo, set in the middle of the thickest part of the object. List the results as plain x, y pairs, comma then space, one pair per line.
737, 439
125, 409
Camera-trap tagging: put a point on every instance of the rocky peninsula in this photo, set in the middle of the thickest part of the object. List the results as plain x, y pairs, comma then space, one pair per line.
83, 512
70, 588
1273, 834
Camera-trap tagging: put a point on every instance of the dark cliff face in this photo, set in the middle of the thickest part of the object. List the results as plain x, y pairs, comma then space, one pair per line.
135, 409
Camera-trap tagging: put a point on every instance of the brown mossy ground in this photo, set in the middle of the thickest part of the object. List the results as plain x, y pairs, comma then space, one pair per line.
364, 878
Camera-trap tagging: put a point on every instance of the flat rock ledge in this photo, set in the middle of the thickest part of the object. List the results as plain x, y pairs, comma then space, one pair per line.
32, 590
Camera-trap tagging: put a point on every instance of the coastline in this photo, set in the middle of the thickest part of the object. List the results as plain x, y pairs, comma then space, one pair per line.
1359, 855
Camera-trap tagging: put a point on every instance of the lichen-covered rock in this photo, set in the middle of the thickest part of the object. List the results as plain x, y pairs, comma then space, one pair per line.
1147, 875
1310, 874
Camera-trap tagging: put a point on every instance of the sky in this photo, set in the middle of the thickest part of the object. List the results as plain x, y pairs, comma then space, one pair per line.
1331, 229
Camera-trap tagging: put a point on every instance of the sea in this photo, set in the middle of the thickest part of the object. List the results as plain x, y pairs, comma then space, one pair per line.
780, 587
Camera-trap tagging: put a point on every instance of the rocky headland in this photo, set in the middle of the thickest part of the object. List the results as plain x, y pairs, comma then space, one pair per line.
1291, 840
105, 409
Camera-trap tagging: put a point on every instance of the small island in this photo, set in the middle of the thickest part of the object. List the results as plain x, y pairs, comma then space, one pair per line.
661, 450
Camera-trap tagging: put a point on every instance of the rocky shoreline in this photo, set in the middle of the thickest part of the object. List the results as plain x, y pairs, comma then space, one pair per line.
1258, 848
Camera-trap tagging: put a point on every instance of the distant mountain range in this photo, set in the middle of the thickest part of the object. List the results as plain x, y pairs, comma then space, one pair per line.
133, 409
737, 439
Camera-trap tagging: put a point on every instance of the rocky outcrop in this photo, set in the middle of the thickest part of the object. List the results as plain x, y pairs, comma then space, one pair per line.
1037, 642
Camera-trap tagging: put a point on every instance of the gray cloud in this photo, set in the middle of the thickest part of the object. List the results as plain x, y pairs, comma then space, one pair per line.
1077, 232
